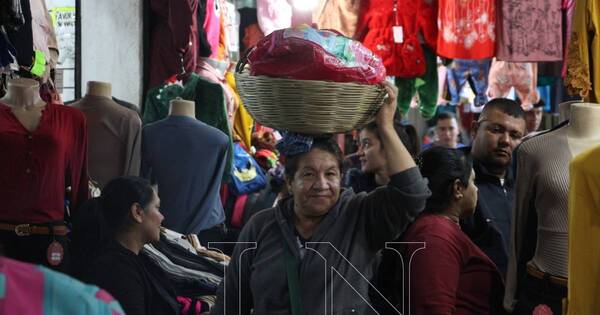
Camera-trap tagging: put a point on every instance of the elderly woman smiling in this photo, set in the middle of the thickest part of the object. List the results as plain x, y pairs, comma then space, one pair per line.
313, 252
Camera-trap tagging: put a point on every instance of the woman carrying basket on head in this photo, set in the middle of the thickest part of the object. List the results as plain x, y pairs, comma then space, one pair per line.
312, 252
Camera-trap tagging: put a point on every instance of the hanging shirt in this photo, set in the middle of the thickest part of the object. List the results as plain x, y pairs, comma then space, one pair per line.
209, 73
36, 167
338, 15
212, 26
530, 31
186, 157
114, 134
273, 15
402, 55
466, 29
174, 36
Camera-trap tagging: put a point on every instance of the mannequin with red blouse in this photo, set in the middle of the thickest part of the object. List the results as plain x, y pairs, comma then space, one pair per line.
43, 150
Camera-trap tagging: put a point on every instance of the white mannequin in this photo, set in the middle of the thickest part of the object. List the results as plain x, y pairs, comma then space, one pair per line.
24, 98
564, 110
97, 88
584, 129
543, 181
180, 107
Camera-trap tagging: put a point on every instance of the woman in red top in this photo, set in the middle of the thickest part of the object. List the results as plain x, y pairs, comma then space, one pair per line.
448, 273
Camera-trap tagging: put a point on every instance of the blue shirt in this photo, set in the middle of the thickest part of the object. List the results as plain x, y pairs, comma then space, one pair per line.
186, 158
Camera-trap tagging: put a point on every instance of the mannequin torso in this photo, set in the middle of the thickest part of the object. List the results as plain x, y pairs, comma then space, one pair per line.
26, 104
583, 129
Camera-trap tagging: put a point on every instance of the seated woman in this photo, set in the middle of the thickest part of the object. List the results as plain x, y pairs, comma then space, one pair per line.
451, 275
109, 233
313, 251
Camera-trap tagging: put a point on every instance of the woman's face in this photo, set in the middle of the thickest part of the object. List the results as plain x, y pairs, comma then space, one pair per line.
152, 219
469, 200
370, 152
316, 184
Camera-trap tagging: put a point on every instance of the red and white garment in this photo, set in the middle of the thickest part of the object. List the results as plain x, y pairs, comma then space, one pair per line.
467, 29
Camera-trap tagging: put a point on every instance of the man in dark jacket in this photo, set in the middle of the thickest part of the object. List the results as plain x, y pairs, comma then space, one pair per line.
500, 128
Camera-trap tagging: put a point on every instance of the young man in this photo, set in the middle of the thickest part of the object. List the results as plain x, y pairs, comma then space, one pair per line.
446, 131
533, 117
498, 131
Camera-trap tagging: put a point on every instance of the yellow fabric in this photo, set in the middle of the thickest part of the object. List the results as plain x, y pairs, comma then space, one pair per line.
582, 79
584, 234
242, 121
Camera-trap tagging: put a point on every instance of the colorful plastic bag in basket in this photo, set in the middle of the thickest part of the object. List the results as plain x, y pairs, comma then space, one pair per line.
306, 53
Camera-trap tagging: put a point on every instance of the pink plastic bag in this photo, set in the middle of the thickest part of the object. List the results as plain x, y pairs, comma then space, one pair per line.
306, 53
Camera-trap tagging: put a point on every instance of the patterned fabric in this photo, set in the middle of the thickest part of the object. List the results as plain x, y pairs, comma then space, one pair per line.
522, 76
530, 31
583, 71
27, 289
466, 29
294, 144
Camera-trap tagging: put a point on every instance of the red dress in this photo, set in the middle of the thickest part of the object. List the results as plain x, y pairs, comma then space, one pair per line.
467, 29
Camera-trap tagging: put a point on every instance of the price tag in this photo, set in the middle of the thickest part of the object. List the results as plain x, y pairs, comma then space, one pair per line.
398, 34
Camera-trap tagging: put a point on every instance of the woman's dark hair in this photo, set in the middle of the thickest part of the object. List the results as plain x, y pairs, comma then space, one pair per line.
325, 144
407, 134
99, 219
442, 166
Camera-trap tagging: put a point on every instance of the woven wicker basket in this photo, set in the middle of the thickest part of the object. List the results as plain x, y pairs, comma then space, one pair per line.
307, 106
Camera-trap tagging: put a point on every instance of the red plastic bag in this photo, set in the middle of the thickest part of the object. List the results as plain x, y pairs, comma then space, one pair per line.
306, 53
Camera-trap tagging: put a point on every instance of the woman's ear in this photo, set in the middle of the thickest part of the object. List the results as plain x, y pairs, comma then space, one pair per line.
136, 212
457, 189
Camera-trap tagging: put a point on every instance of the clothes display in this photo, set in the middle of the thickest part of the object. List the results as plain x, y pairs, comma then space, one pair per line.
467, 29
401, 53
273, 15
583, 68
207, 72
114, 134
425, 87
584, 202
338, 15
174, 154
451, 274
237, 235
475, 72
212, 25
529, 31
30, 289
522, 76
242, 121
42, 163
260, 270
173, 41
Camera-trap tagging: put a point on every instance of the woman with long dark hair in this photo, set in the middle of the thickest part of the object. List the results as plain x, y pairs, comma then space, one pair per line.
108, 234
